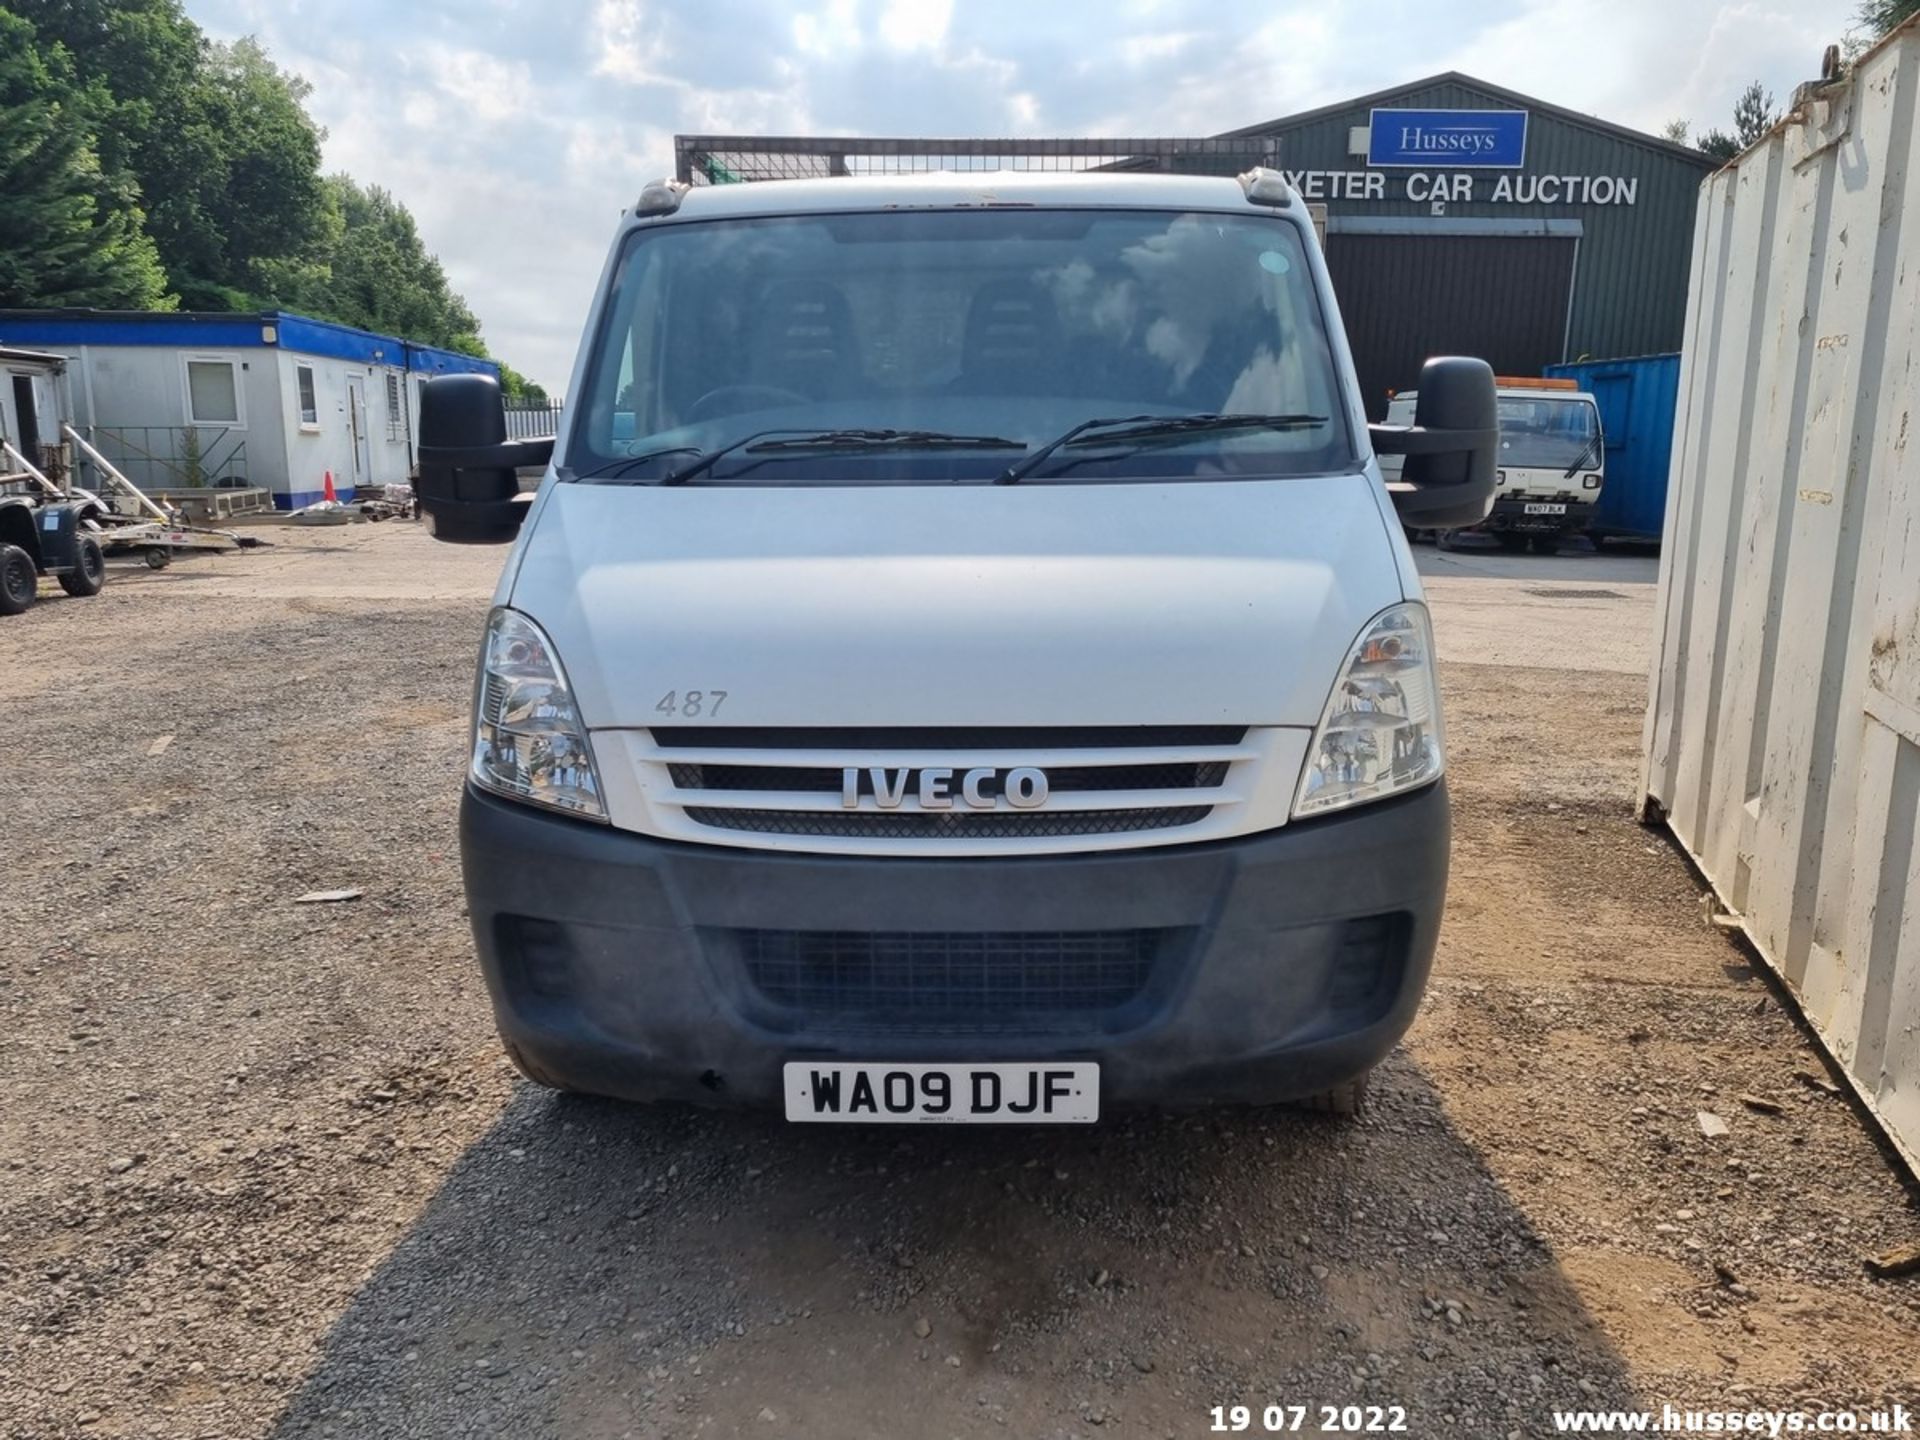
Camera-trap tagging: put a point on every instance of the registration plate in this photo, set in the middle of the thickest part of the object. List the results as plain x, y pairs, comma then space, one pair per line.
1538, 509
1067, 1093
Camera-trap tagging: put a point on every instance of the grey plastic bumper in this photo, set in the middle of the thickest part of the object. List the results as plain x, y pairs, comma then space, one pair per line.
605, 955
1512, 515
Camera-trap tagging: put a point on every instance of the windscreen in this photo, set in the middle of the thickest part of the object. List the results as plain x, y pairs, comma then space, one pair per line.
1548, 433
1009, 324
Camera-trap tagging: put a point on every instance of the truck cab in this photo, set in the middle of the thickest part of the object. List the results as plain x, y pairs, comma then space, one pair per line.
1552, 460
962, 664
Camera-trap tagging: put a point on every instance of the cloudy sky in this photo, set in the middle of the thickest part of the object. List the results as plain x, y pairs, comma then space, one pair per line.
516, 130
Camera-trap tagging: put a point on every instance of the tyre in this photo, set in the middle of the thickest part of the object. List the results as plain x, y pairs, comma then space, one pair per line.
19, 580
158, 557
1546, 544
532, 1071
90, 574
1346, 1099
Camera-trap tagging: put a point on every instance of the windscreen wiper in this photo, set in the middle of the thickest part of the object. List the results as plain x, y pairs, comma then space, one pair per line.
771, 444
615, 470
1580, 460
1145, 429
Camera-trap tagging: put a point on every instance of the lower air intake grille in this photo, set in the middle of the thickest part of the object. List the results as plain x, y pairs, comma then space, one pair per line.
948, 825
1072, 981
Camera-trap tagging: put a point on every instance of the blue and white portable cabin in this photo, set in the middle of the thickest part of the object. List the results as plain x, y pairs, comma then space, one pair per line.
263, 399
33, 403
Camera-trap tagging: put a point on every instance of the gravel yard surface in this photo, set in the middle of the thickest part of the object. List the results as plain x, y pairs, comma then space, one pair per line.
264, 1172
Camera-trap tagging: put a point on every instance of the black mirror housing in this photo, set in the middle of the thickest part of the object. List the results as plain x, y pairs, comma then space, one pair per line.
1451, 447
469, 482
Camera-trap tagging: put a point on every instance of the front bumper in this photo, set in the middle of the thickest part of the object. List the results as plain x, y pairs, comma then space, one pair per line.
1511, 514
1281, 964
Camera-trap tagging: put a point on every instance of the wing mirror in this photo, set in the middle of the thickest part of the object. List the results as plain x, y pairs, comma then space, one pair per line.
1451, 447
469, 482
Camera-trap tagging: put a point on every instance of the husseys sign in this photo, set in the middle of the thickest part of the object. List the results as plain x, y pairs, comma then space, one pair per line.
1486, 139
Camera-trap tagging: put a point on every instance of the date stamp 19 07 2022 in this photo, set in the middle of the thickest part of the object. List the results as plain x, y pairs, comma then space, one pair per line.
1309, 1419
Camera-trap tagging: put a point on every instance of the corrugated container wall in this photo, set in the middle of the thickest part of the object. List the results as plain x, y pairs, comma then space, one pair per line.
1636, 399
1783, 734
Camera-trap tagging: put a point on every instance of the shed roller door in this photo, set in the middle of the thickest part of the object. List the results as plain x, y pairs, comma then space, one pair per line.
1405, 297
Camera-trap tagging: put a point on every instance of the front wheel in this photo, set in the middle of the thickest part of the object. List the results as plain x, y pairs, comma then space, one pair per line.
1346, 1099
19, 580
90, 574
532, 1071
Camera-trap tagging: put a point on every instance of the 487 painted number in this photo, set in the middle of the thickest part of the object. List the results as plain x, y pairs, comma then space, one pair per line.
1292, 1419
692, 704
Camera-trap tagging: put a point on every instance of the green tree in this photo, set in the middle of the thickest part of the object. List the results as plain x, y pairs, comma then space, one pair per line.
380, 276
227, 159
1880, 16
70, 229
518, 389
1753, 117
1753, 114
270, 211
1717, 143
142, 61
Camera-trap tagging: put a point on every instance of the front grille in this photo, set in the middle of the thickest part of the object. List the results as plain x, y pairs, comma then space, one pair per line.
775, 786
949, 824
941, 737
1056, 982
1066, 779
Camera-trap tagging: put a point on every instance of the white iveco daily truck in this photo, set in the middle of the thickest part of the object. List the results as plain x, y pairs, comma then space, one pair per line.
962, 663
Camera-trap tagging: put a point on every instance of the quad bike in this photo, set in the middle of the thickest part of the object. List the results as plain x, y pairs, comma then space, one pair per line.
45, 539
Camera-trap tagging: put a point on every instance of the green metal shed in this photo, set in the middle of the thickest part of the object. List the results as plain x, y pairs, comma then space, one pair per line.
1466, 218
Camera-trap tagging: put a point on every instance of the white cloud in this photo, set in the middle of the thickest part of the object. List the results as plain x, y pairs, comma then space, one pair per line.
482, 86
915, 24
631, 43
1139, 49
829, 32
1645, 62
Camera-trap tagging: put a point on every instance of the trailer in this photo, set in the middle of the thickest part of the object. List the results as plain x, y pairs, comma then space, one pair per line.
154, 531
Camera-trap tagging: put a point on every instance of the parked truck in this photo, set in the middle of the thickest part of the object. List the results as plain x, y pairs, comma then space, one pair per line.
1552, 465
962, 663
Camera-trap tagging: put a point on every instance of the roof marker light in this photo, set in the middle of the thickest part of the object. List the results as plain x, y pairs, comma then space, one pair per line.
1267, 187
661, 197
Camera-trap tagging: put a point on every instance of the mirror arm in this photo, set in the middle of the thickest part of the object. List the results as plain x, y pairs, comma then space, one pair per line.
507, 455
1414, 440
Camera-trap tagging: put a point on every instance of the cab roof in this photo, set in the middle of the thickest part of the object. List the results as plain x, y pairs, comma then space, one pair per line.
944, 190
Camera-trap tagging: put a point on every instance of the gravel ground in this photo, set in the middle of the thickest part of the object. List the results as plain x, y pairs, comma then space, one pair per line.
266, 1174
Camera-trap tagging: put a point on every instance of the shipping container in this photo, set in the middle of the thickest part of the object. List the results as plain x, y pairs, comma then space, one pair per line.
1636, 400
1783, 731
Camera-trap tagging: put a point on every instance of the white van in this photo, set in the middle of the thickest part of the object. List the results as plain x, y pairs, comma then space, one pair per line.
962, 663
1552, 464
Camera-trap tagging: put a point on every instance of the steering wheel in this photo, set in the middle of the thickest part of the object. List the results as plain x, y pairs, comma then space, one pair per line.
732, 399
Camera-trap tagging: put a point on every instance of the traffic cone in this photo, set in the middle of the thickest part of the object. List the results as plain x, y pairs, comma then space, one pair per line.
327, 488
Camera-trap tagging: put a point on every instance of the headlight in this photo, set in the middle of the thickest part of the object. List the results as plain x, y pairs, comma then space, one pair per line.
1380, 733
528, 742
